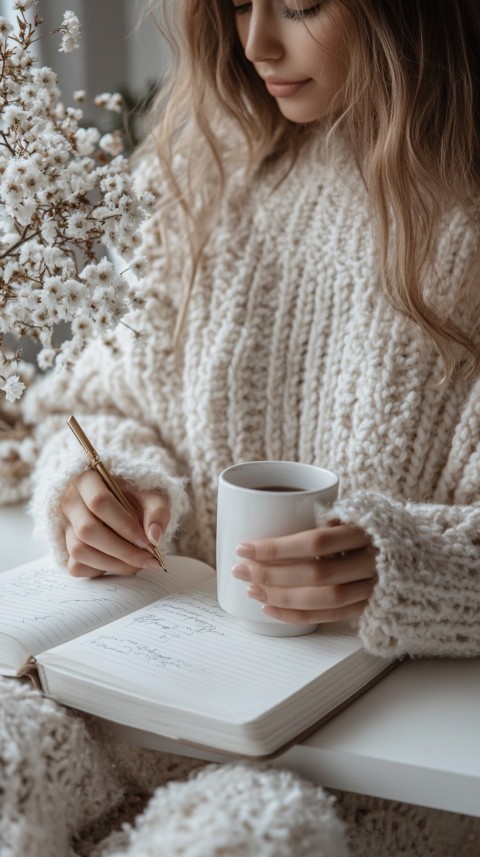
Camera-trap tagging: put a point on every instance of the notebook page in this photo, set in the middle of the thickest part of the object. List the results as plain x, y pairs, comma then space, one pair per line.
186, 652
41, 605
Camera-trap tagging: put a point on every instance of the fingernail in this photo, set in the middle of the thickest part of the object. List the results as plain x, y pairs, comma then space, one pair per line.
256, 592
142, 543
151, 563
270, 611
154, 534
246, 550
241, 572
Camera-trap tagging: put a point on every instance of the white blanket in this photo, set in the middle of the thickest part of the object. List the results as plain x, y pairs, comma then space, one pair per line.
67, 791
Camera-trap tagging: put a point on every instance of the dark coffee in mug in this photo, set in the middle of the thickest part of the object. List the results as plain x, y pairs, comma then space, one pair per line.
278, 488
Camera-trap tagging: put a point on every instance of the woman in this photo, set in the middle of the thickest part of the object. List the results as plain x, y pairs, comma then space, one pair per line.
328, 199
311, 295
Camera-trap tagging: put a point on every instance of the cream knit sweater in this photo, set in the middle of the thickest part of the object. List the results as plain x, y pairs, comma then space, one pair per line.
291, 352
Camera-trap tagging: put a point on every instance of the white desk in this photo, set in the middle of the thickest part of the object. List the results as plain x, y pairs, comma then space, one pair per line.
414, 737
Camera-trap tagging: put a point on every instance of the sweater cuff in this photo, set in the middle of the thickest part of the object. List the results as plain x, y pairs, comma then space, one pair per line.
426, 601
129, 453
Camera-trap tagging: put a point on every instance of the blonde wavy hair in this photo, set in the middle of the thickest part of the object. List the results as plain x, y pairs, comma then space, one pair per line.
411, 113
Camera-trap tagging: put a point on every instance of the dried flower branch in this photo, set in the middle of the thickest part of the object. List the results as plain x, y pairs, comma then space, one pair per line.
65, 193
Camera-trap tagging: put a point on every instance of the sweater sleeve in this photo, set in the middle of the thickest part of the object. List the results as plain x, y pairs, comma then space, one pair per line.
111, 412
130, 451
426, 602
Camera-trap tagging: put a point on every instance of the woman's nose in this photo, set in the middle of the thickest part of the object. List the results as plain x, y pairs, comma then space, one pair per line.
263, 40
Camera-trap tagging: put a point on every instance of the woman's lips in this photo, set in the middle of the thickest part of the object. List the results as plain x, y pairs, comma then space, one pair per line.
284, 88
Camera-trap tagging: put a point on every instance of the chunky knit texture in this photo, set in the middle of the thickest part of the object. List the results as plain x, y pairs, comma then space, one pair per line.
52, 775
291, 352
59, 779
66, 791
241, 810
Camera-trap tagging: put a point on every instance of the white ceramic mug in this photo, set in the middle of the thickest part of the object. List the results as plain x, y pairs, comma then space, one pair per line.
258, 500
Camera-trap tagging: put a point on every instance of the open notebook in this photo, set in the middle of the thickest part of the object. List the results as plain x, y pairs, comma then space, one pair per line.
155, 652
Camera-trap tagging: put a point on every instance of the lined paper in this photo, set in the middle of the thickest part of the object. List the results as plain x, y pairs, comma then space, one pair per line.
184, 651
42, 605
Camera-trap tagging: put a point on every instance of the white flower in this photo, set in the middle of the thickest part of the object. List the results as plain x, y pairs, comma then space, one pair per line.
5, 29
57, 262
103, 322
23, 5
49, 231
33, 180
111, 143
102, 99
79, 96
138, 266
101, 212
13, 388
78, 226
74, 113
46, 358
25, 211
114, 185
34, 300
148, 201
72, 296
45, 335
109, 101
11, 88
116, 102
55, 315
135, 240
30, 256
45, 76
52, 292
136, 299
70, 30
60, 203
20, 59
77, 179
117, 166
58, 152
105, 272
69, 353
11, 271
12, 115
40, 316
124, 248
93, 307
82, 326
86, 139
126, 205
11, 192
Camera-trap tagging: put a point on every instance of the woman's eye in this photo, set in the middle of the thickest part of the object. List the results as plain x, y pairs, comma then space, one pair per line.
242, 9
288, 12
299, 14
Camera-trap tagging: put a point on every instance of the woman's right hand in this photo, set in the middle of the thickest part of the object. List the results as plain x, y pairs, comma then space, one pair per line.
101, 536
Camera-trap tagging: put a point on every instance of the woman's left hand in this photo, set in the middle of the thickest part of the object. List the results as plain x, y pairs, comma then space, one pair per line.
320, 575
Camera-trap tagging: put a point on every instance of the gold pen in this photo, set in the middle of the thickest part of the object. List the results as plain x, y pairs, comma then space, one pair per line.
96, 463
